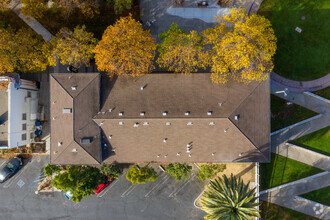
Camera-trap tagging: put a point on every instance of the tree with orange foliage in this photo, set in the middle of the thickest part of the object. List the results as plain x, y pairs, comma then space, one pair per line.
242, 47
125, 48
34, 8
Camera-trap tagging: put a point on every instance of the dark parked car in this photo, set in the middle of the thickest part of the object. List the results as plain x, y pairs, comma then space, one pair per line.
71, 69
10, 169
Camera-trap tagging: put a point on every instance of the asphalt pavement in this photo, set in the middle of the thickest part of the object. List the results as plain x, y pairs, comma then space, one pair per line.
164, 198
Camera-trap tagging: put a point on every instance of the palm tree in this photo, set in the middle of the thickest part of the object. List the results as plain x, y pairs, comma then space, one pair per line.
229, 199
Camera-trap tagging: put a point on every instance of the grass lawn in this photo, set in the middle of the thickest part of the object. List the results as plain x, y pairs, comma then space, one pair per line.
53, 19
283, 170
325, 93
284, 115
318, 141
320, 195
304, 56
271, 211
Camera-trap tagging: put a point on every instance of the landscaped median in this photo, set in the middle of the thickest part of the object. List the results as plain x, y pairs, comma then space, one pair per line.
247, 171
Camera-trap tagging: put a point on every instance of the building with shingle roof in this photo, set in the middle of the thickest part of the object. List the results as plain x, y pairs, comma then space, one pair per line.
158, 118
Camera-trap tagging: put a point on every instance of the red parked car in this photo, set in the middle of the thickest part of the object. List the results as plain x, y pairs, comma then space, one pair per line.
104, 185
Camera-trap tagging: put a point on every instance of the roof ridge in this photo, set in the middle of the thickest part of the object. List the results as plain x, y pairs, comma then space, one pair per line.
53, 160
52, 75
88, 152
140, 118
245, 98
87, 85
248, 139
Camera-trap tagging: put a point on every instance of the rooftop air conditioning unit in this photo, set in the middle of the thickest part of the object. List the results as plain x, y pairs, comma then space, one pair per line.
86, 140
67, 110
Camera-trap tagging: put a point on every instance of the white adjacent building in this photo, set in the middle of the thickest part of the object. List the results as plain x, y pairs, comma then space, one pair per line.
18, 111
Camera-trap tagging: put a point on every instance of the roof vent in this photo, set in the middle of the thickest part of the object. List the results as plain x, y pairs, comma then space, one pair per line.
136, 124
165, 139
145, 123
158, 155
74, 150
54, 118
67, 110
121, 123
110, 110
190, 123
212, 123
142, 113
110, 136
74, 87
236, 117
168, 123
120, 113
225, 130
213, 154
165, 113
187, 113
178, 154
220, 104
165, 156
189, 155
54, 102
143, 87
209, 113
59, 143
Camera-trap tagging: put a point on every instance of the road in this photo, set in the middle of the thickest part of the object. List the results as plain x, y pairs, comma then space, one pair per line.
165, 198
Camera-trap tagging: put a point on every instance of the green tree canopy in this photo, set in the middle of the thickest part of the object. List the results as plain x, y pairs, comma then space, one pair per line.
229, 199
50, 169
81, 180
120, 5
142, 175
209, 171
111, 171
180, 51
72, 48
178, 170
22, 50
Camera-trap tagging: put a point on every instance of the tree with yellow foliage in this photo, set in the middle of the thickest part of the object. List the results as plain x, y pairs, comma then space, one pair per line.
126, 48
180, 51
34, 8
242, 47
3, 4
22, 51
72, 48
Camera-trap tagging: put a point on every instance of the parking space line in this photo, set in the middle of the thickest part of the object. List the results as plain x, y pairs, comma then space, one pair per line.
37, 179
109, 187
18, 175
175, 192
128, 191
3, 163
157, 186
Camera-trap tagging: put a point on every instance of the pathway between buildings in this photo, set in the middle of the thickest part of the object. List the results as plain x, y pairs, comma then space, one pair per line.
15, 5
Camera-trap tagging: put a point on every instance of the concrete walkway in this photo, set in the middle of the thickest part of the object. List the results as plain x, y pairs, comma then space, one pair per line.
301, 86
287, 195
15, 5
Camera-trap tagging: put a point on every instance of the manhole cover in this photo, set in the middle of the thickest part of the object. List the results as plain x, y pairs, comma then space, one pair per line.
20, 183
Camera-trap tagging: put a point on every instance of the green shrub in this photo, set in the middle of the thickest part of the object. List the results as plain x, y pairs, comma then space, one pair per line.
111, 171
178, 170
209, 171
143, 175
50, 169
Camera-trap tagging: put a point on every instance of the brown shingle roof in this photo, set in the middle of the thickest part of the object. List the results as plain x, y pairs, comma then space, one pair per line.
228, 140
245, 140
68, 129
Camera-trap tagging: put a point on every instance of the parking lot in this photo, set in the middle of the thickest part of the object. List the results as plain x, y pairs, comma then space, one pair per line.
164, 198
